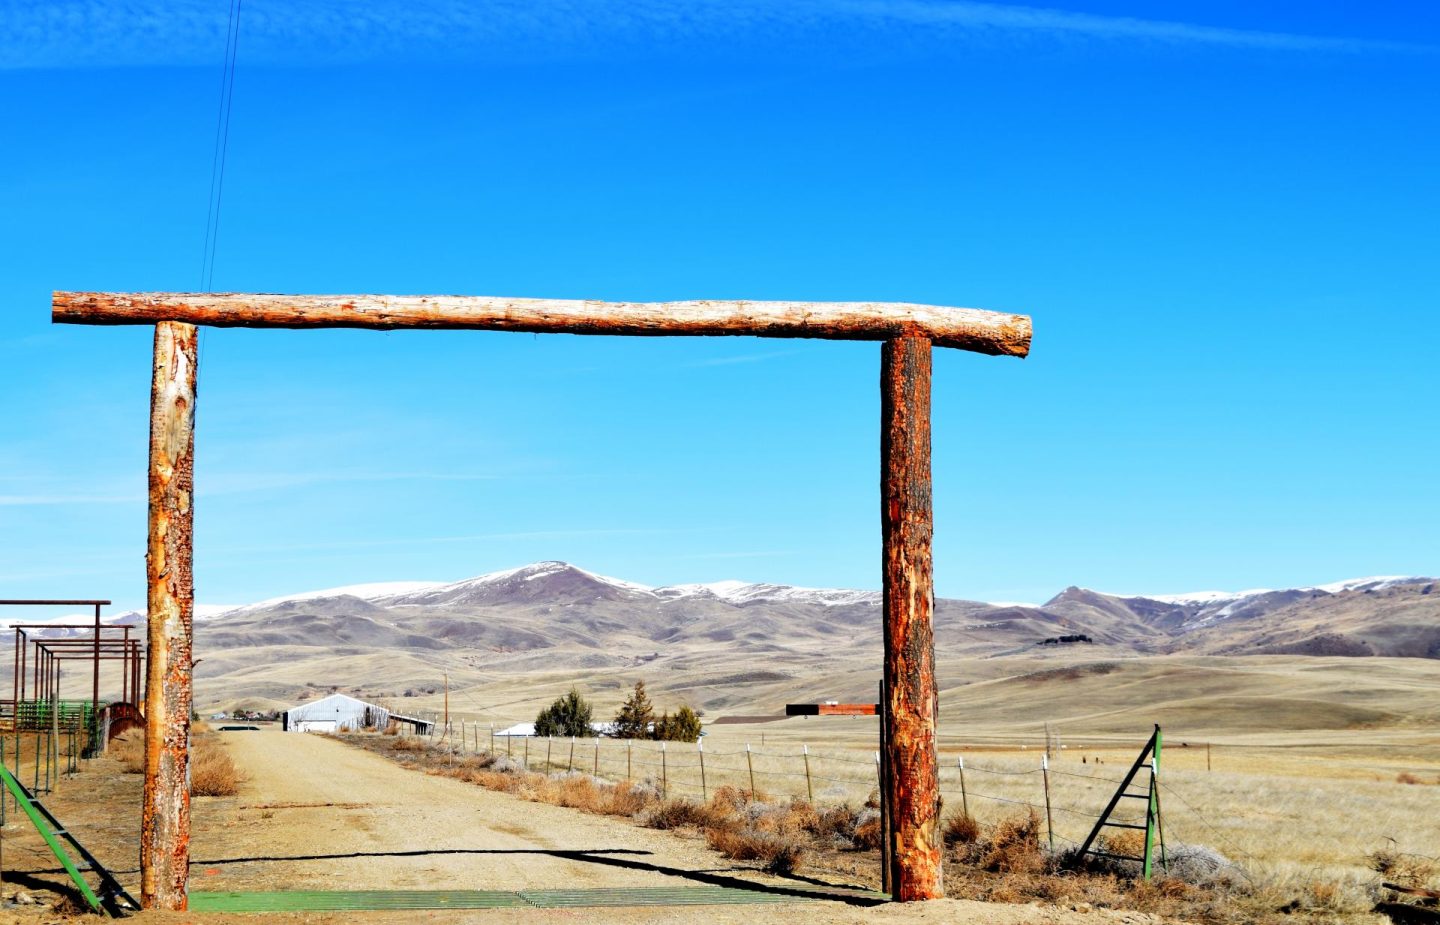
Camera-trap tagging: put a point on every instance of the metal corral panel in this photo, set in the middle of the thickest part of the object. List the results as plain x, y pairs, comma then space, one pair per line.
336, 713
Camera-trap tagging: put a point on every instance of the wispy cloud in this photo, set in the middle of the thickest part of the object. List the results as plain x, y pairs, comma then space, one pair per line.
1011, 18
90, 33
757, 554
739, 359
211, 485
243, 482
405, 542
50, 499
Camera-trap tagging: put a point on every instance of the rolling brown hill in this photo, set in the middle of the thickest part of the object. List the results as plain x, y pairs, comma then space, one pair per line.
511, 640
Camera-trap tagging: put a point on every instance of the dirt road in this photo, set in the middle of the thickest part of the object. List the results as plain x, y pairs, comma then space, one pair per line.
316, 814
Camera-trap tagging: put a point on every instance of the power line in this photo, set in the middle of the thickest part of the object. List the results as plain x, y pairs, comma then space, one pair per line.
222, 146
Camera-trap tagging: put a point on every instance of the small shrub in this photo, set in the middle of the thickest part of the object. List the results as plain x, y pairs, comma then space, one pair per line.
1405, 777
627, 799
672, 814
408, 744
835, 823
475, 762
1014, 846
1411, 870
779, 854
961, 829
797, 817
212, 771
1201, 866
867, 830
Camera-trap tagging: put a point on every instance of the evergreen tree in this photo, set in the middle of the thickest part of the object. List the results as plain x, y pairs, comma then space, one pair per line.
567, 716
635, 716
684, 726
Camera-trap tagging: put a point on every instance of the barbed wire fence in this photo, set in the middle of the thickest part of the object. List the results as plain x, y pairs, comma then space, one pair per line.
1066, 801
975, 780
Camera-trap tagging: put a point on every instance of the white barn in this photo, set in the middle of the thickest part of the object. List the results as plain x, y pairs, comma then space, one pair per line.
336, 713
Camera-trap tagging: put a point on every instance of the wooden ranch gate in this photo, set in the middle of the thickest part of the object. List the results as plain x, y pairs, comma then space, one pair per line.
907, 333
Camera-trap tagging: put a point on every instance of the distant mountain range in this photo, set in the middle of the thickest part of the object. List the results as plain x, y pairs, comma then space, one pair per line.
555, 604
730, 645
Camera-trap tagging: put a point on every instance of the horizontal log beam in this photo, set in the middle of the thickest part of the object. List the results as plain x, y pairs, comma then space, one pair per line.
995, 333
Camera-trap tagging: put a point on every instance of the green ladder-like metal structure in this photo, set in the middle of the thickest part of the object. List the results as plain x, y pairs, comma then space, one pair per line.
1154, 828
111, 898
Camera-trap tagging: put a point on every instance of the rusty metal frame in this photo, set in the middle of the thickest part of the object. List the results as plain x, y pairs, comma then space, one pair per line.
907, 334
44, 667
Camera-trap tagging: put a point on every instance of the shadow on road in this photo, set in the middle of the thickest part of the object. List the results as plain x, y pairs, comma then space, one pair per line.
626, 858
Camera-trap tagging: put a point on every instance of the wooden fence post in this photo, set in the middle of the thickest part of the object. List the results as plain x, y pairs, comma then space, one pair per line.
750, 763
911, 704
628, 774
165, 813
809, 791
525, 758
1049, 821
964, 795
597, 756
700, 748
549, 741
571, 765
664, 774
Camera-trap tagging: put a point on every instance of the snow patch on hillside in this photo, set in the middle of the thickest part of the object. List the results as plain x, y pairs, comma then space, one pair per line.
368, 591
1210, 606
1207, 598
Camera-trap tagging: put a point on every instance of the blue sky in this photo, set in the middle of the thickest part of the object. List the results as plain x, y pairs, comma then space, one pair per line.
1222, 222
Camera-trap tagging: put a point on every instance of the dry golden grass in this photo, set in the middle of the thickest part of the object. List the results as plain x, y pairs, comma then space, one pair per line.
961, 829
1004, 857
129, 750
867, 832
778, 853
212, 771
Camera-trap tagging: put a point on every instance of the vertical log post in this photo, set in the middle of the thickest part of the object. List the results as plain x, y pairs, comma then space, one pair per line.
887, 844
165, 815
911, 703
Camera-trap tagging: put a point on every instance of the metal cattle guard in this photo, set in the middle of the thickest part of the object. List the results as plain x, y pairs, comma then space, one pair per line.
907, 333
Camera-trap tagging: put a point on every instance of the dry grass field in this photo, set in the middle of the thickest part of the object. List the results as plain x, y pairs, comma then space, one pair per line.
1245, 843
1317, 767
1303, 772
1283, 815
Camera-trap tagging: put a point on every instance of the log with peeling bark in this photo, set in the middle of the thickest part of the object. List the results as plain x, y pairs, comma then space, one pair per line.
995, 333
165, 813
911, 702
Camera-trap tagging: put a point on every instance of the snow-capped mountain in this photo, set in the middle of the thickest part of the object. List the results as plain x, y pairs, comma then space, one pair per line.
556, 617
553, 604
558, 580
1204, 608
